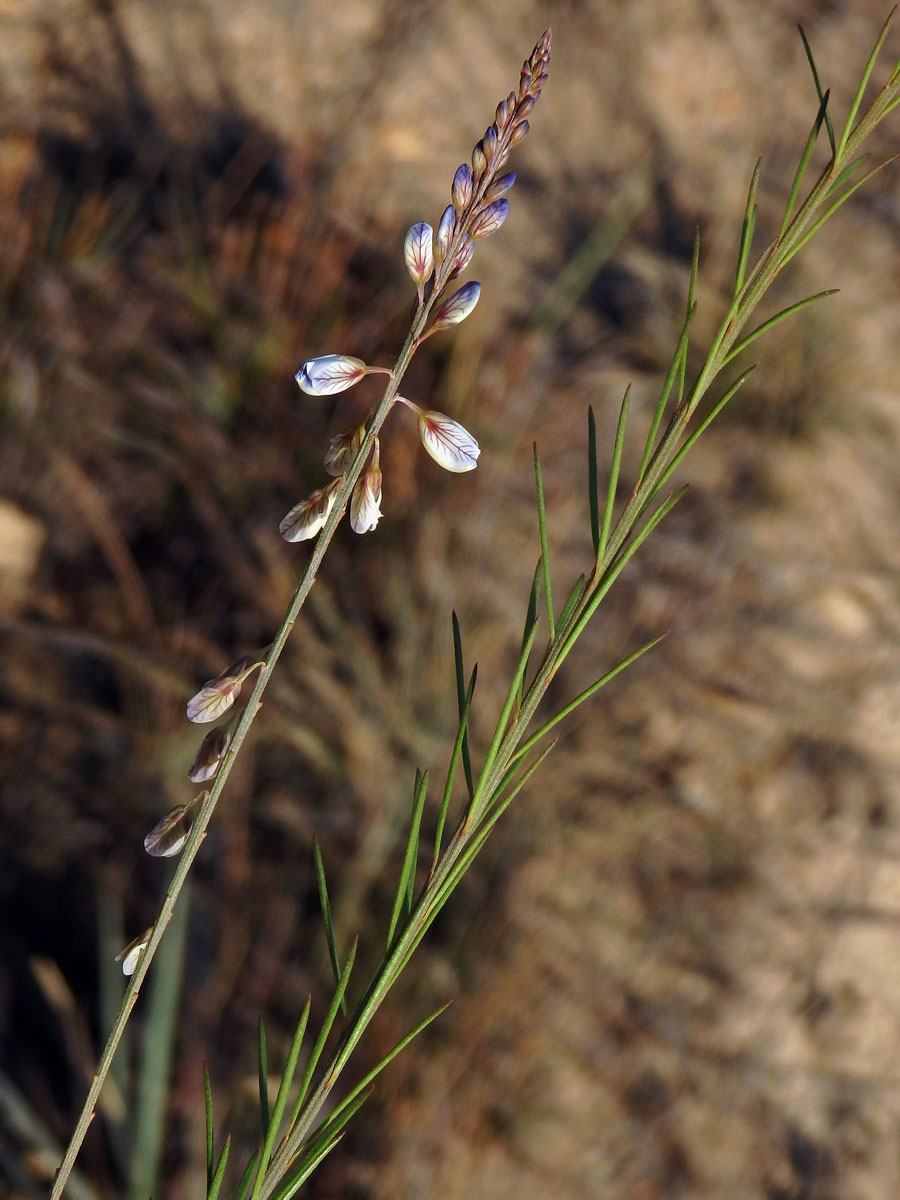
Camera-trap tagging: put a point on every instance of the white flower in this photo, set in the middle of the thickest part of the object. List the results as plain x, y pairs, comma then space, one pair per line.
448, 443
306, 519
418, 252
330, 373
217, 695
365, 503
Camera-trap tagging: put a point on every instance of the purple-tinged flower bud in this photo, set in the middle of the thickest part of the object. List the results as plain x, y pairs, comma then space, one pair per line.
479, 160
524, 107
489, 143
306, 519
500, 187
210, 755
519, 134
167, 838
419, 254
503, 113
365, 503
461, 190
463, 258
489, 219
448, 443
329, 374
446, 227
133, 951
343, 450
457, 307
217, 695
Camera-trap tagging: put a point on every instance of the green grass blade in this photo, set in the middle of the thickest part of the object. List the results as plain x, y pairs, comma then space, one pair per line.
593, 485
263, 1077
219, 1174
674, 372
748, 228
326, 913
819, 92
210, 1148
287, 1079
451, 773
545, 552
613, 483
742, 345
323, 1035
863, 83
526, 747
460, 702
247, 1177
803, 164
410, 857
692, 291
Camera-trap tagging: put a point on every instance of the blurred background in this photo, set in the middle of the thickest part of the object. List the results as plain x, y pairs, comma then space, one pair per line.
676, 968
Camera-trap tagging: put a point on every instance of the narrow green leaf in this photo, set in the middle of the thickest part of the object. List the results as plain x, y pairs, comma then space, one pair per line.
835, 205
857, 99
392, 1054
819, 92
705, 423
674, 369
803, 164
568, 608
219, 1175
526, 747
460, 701
613, 483
410, 857
530, 620
691, 294
308, 1165
748, 227
323, 1034
593, 485
210, 1149
451, 773
287, 1079
263, 1078
742, 345
545, 552
247, 1177
847, 173
326, 913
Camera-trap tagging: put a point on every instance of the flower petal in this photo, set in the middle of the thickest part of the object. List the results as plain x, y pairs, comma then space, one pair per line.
329, 374
448, 443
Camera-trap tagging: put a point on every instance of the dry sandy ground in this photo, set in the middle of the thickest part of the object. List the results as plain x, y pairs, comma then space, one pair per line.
677, 971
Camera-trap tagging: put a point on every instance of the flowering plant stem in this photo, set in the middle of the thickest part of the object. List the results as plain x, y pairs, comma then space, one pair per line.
511, 758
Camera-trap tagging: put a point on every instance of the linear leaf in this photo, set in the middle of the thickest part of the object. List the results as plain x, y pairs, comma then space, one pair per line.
263, 1077
674, 370
692, 290
219, 1174
819, 92
593, 492
706, 422
803, 163
460, 701
451, 773
768, 324
326, 913
210, 1149
847, 173
545, 552
867, 71
836, 204
568, 608
296, 1181
613, 483
247, 1177
748, 227
410, 857
287, 1079
530, 620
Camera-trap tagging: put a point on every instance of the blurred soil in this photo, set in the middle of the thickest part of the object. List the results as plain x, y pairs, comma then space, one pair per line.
676, 970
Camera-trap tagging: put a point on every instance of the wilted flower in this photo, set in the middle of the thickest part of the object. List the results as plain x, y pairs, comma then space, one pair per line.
457, 307
167, 838
306, 519
210, 755
343, 449
490, 219
133, 951
418, 252
365, 503
330, 373
217, 695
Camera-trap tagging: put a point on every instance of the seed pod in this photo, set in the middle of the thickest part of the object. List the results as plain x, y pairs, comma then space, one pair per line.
133, 951
419, 254
167, 838
217, 695
461, 189
329, 374
446, 227
210, 755
448, 443
343, 450
490, 219
306, 519
457, 307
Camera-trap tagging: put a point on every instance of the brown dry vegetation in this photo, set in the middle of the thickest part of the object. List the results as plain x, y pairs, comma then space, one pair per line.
676, 971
